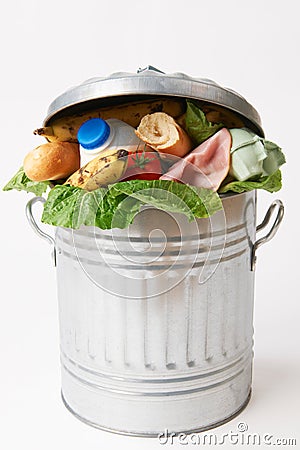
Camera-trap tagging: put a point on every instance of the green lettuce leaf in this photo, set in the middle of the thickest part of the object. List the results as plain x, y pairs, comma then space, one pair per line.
122, 213
21, 182
71, 207
271, 183
116, 206
197, 126
171, 196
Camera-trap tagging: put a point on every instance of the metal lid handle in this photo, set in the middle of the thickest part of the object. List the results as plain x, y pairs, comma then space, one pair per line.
145, 69
279, 216
36, 228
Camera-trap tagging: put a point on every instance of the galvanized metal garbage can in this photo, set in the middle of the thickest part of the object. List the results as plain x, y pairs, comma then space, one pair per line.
156, 321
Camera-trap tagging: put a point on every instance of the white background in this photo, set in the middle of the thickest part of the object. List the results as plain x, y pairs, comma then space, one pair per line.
47, 47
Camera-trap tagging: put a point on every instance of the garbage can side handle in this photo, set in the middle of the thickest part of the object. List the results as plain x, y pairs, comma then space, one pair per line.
36, 228
277, 204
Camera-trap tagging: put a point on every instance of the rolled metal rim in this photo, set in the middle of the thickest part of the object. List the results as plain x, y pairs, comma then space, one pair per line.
155, 435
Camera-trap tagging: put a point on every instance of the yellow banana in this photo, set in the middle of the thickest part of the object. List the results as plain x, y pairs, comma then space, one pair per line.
218, 114
106, 168
66, 128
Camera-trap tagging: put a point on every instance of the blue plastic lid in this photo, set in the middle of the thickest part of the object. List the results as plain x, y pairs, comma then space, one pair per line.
93, 133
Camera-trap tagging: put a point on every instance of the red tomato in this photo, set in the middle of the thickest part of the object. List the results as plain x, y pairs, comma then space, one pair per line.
143, 166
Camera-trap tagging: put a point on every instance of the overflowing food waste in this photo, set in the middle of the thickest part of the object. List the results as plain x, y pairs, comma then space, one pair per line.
175, 154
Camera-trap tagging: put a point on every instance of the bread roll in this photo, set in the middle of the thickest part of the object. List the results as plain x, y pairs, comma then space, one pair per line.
162, 133
52, 161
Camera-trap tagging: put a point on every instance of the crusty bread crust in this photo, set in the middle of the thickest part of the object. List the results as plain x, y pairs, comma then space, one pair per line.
162, 133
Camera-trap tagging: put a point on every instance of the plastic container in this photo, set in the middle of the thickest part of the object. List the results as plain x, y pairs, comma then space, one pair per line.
97, 134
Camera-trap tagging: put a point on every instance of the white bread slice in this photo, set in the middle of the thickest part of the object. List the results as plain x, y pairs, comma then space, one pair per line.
162, 133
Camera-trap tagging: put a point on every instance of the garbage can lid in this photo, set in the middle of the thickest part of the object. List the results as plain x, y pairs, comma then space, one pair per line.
151, 82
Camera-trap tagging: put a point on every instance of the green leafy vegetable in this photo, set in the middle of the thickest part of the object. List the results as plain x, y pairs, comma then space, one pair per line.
21, 182
124, 211
71, 207
171, 196
197, 126
117, 206
271, 183
60, 206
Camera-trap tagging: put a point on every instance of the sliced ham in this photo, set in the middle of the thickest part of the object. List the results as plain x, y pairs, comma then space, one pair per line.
207, 165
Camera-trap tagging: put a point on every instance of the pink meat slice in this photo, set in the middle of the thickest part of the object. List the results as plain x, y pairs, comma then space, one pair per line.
207, 165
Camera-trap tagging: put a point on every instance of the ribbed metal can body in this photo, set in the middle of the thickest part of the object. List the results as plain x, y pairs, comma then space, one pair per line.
156, 321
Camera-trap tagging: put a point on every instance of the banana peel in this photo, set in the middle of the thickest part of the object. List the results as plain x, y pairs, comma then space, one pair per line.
219, 114
66, 128
105, 169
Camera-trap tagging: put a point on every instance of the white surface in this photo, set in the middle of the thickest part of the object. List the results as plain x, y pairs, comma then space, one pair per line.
251, 47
